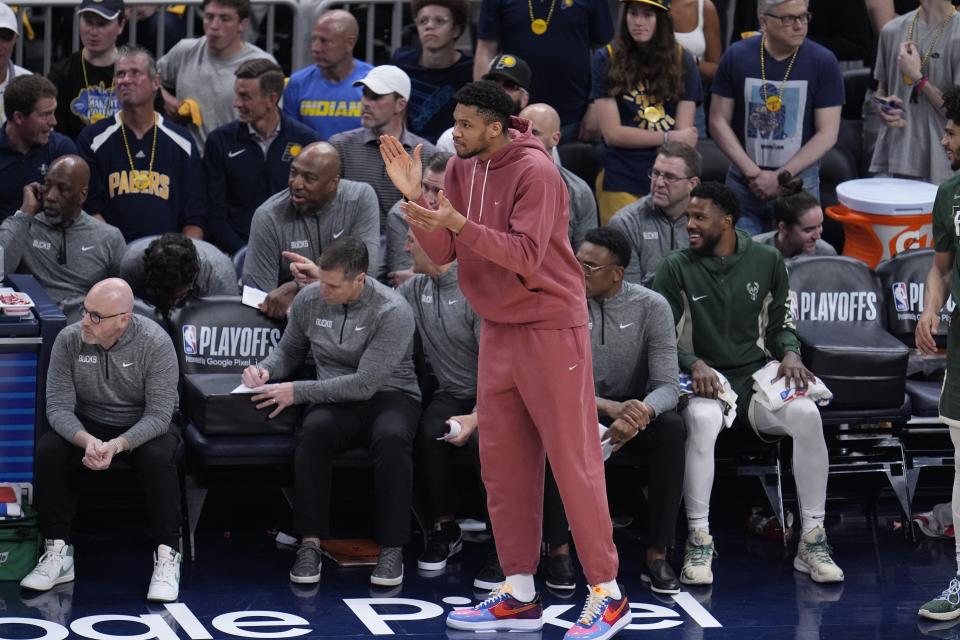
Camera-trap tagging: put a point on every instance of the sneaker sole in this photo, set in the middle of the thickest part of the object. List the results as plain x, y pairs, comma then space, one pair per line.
614, 629
803, 567
386, 582
305, 579
932, 615
695, 583
61, 580
496, 625
486, 586
561, 586
455, 548
156, 598
645, 579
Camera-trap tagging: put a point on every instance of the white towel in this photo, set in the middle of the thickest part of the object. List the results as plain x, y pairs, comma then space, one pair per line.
774, 394
727, 398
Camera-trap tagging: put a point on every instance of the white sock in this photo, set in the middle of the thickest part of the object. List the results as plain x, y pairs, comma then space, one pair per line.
522, 587
809, 523
612, 588
958, 560
698, 523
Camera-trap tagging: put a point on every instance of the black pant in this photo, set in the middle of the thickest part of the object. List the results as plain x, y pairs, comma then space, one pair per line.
435, 464
59, 471
435, 458
663, 446
385, 425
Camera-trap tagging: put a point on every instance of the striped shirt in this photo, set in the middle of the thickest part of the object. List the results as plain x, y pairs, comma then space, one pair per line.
360, 161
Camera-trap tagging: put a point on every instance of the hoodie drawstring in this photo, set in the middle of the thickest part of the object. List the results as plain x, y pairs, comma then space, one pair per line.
483, 189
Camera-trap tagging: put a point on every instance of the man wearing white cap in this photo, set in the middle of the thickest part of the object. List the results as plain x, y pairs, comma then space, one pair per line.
84, 80
9, 30
386, 90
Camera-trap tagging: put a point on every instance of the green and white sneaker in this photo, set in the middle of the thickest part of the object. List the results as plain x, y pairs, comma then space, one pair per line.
54, 567
813, 557
946, 606
697, 558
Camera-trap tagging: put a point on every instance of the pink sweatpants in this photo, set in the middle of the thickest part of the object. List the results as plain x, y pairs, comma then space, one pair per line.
535, 395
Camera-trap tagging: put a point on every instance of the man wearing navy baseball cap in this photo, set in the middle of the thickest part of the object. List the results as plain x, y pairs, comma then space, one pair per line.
84, 80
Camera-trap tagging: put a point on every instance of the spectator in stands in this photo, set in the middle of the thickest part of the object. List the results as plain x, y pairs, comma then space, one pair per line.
248, 160
556, 39
545, 123
799, 221
315, 209
84, 80
197, 75
436, 67
366, 395
145, 172
148, 18
9, 33
656, 224
169, 270
450, 332
399, 261
635, 373
386, 90
697, 25
325, 96
513, 76
919, 53
28, 143
111, 394
729, 297
942, 282
645, 92
54, 240
792, 116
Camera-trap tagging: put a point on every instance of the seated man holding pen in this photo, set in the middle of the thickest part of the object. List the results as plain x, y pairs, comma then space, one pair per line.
360, 333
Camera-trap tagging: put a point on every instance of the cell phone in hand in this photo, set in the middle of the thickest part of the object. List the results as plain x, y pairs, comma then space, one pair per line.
885, 104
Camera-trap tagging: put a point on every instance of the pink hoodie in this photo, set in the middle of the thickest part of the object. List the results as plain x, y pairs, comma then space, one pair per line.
516, 264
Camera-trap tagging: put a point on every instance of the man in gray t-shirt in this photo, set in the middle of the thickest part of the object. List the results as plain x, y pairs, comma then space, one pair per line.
198, 73
111, 394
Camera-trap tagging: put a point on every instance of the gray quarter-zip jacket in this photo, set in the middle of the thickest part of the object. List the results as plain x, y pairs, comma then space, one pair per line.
449, 330
358, 348
652, 236
66, 261
635, 348
277, 226
133, 386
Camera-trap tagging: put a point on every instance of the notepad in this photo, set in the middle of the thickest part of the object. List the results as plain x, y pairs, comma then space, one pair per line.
253, 297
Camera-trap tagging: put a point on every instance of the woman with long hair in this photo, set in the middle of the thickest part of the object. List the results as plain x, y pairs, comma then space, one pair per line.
645, 91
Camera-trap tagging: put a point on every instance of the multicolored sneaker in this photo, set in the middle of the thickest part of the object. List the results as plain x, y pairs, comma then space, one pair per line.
499, 612
602, 617
946, 606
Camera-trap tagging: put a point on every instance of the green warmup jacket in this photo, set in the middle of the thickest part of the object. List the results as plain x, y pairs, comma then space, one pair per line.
732, 312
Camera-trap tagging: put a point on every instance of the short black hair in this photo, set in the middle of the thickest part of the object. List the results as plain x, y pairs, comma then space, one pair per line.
269, 74
613, 240
491, 101
23, 92
348, 254
170, 262
458, 9
951, 104
721, 195
242, 6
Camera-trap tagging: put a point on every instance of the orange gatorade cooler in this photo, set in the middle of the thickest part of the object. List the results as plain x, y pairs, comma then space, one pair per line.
884, 216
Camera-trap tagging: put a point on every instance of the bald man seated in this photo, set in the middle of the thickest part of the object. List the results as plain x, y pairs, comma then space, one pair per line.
111, 394
322, 96
583, 206
54, 240
316, 208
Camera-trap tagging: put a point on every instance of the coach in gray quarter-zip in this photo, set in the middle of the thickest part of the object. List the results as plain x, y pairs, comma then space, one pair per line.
51, 238
365, 395
317, 208
111, 391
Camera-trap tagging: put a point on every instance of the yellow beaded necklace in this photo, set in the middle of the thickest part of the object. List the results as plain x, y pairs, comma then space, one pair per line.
138, 179
773, 103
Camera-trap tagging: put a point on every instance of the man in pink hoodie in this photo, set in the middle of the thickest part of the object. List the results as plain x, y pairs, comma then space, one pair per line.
535, 389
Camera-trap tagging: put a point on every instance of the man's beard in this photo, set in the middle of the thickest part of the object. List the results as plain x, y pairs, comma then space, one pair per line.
707, 245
